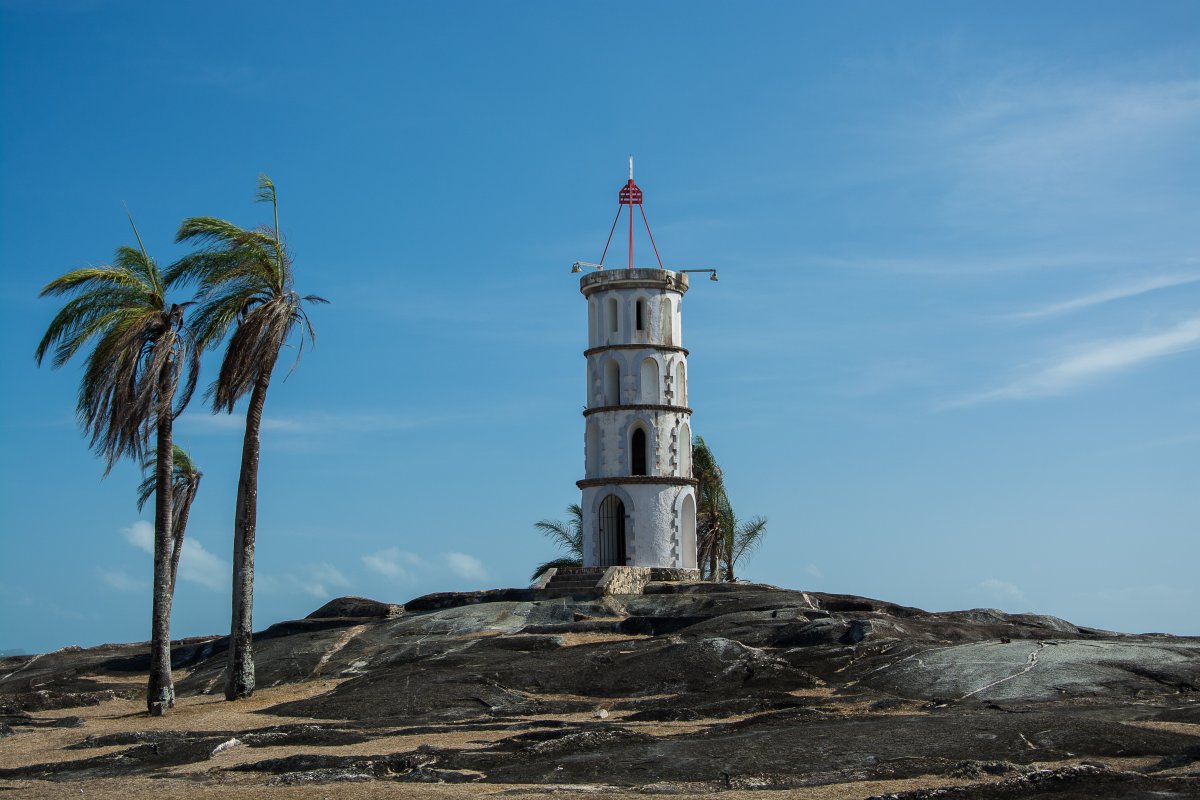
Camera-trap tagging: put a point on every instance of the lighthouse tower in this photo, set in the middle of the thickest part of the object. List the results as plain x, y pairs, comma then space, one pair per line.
639, 497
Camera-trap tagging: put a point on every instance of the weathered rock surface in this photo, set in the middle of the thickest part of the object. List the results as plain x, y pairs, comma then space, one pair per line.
686, 688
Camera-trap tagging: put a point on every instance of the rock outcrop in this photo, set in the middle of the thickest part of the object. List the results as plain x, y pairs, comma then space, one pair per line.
687, 687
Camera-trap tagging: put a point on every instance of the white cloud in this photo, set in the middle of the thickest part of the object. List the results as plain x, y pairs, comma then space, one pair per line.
814, 570
141, 535
196, 564
1045, 141
1091, 362
1001, 592
393, 563
1106, 295
318, 422
328, 573
466, 566
122, 581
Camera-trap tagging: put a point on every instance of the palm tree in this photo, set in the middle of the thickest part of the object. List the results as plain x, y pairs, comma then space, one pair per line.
244, 282
185, 482
710, 504
142, 352
567, 535
723, 541
747, 536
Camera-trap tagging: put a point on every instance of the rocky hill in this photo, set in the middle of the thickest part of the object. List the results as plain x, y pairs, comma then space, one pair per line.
689, 688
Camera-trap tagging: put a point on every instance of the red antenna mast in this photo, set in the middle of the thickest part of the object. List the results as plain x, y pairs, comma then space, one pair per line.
630, 195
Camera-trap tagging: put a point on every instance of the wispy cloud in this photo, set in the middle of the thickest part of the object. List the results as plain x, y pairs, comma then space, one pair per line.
998, 591
196, 564
121, 580
466, 566
317, 422
1120, 292
1038, 140
392, 562
1090, 363
314, 580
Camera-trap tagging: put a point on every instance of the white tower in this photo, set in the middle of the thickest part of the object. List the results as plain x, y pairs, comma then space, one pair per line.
639, 497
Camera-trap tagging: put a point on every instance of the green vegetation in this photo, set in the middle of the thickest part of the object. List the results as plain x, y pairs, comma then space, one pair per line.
567, 535
143, 369
185, 483
245, 290
141, 354
722, 540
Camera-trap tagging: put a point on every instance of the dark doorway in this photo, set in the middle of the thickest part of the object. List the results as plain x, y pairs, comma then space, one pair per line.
637, 457
612, 532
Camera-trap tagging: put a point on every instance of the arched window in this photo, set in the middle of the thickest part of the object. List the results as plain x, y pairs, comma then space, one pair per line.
681, 384
649, 388
637, 452
591, 448
666, 321
639, 315
614, 318
685, 451
612, 383
612, 532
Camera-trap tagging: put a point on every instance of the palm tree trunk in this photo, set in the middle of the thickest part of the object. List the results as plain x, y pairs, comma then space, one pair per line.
160, 693
180, 528
239, 668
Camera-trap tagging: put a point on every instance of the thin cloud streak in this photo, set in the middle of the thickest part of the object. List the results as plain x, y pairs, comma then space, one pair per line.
1092, 362
1105, 296
312, 423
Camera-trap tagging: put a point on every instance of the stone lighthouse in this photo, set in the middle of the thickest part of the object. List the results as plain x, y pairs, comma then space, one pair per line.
639, 497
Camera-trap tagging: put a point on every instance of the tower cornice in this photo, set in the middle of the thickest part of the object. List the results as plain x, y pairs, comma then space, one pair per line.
663, 280
625, 480
587, 412
666, 348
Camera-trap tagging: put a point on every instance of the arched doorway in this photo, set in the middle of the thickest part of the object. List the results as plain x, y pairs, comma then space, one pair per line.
612, 532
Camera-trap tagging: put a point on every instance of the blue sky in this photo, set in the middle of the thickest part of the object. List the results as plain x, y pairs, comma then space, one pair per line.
953, 356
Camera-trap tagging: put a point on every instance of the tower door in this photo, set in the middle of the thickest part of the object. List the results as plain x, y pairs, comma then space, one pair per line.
612, 532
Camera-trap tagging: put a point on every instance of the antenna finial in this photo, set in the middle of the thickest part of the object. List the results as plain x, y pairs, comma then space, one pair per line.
630, 166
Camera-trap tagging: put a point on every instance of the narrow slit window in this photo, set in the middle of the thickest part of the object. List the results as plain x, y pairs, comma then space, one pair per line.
640, 313
638, 456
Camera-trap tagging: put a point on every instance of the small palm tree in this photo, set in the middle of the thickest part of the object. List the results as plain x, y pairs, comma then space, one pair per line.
747, 536
185, 483
244, 282
142, 353
567, 535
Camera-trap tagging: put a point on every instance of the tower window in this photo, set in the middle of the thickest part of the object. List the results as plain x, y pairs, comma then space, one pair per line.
638, 454
641, 313
613, 321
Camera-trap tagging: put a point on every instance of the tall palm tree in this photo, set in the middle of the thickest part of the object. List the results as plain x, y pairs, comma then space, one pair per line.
710, 505
185, 483
567, 535
722, 539
244, 282
141, 354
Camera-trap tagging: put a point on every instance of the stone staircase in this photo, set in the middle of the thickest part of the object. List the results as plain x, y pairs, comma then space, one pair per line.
576, 581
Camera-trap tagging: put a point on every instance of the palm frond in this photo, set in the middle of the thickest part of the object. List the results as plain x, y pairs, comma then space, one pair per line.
558, 563
138, 348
